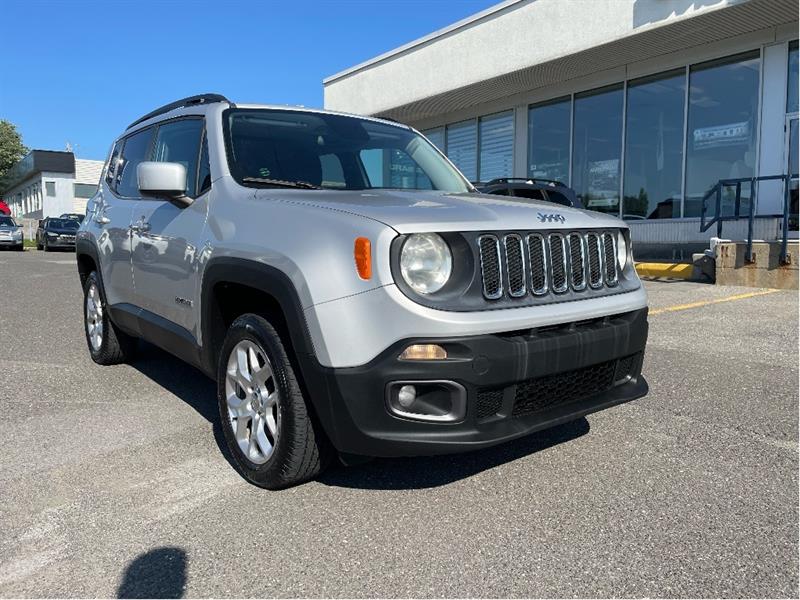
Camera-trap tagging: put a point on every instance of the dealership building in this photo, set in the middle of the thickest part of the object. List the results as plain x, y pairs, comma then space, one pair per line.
48, 183
641, 106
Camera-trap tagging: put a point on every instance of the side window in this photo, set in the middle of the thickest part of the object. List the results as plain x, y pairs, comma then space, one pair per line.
532, 194
133, 152
558, 198
112, 164
204, 170
332, 171
179, 142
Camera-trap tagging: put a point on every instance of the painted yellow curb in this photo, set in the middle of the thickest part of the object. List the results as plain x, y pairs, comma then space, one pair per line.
671, 270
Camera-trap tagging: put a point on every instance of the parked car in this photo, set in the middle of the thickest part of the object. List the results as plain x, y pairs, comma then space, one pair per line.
10, 233
548, 190
56, 233
349, 290
4, 209
74, 216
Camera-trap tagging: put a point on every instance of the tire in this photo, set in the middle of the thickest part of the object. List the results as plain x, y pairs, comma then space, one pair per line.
38, 245
44, 246
296, 448
20, 248
107, 344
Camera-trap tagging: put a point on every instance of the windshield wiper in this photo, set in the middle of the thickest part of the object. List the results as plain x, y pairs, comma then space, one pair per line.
281, 183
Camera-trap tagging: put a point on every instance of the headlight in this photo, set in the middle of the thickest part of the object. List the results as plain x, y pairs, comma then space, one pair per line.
17, 234
622, 250
426, 262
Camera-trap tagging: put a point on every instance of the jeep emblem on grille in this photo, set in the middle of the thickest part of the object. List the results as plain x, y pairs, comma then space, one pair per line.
551, 218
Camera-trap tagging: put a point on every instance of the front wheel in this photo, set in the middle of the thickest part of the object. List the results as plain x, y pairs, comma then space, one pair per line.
266, 420
107, 344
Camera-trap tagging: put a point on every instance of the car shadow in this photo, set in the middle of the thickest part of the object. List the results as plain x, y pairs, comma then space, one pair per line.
435, 471
187, 383
198, 391
158, 573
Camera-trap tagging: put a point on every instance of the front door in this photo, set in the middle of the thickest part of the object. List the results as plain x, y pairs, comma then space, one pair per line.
166, 236
112, 213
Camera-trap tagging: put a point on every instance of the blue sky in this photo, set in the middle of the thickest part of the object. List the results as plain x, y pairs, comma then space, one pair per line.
80, 72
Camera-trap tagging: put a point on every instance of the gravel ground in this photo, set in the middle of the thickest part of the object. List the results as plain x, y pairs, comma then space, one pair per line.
112, 480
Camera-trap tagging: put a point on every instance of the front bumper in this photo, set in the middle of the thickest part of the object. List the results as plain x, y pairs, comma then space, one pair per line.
515, 383
60, 242
10, 242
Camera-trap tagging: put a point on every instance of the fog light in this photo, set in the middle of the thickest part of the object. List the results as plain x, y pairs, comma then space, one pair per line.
424, 352
406, 396
436, 400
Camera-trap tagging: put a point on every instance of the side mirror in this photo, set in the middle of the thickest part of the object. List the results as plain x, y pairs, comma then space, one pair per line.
163, 180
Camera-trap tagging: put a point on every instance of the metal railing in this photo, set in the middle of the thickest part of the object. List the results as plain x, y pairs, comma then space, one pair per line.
718, 218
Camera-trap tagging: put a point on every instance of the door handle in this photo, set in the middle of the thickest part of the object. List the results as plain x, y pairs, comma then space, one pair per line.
102, 220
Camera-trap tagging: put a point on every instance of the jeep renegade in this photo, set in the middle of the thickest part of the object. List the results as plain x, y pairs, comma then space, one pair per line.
349, 290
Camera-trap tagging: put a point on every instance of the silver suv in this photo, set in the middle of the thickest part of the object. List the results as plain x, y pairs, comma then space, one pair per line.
349, 290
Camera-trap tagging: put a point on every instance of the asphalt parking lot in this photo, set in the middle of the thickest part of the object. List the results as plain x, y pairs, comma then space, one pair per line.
112, 481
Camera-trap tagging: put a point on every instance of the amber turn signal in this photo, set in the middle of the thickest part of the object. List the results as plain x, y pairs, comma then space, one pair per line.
423, 352
363, 255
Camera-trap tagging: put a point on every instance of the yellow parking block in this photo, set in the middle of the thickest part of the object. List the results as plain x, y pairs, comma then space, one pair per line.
670, 270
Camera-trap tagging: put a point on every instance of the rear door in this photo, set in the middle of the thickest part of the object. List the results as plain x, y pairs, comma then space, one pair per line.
165, 246
111, 220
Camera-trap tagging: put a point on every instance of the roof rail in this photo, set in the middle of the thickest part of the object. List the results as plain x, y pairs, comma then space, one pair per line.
190, 101
527, 179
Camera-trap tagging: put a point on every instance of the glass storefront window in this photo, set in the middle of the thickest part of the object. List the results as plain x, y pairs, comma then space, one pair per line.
548, 140
722, 129
497, 146
462, 147
436, 137
597, 148
654, 147
792, 92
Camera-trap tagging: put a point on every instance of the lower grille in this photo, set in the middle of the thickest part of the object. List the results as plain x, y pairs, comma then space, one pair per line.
534, 395
489, 403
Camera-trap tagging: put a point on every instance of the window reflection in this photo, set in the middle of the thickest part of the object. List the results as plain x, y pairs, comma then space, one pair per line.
597, 148
654, 147
462, 147
548, 140
436, 137
792, 91
721, 142
497, 146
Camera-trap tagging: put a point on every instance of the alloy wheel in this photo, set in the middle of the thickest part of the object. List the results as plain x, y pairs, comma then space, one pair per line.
253, 400
94, 317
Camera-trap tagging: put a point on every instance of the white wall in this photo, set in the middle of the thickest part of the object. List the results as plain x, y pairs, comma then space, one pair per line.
503, 39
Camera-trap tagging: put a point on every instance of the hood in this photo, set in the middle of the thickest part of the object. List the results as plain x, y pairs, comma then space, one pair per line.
9, 227
421, 211
61, 230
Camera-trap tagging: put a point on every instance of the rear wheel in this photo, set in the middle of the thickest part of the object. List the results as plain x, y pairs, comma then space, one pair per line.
266, 421
107, 344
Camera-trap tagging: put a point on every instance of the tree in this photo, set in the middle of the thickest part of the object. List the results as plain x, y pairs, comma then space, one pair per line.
11, 148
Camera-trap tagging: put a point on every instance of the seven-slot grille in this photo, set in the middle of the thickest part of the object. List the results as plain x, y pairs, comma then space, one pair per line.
541, 263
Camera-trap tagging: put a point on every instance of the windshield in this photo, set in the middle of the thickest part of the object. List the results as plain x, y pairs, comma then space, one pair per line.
7, 222
63, 224
269, 147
